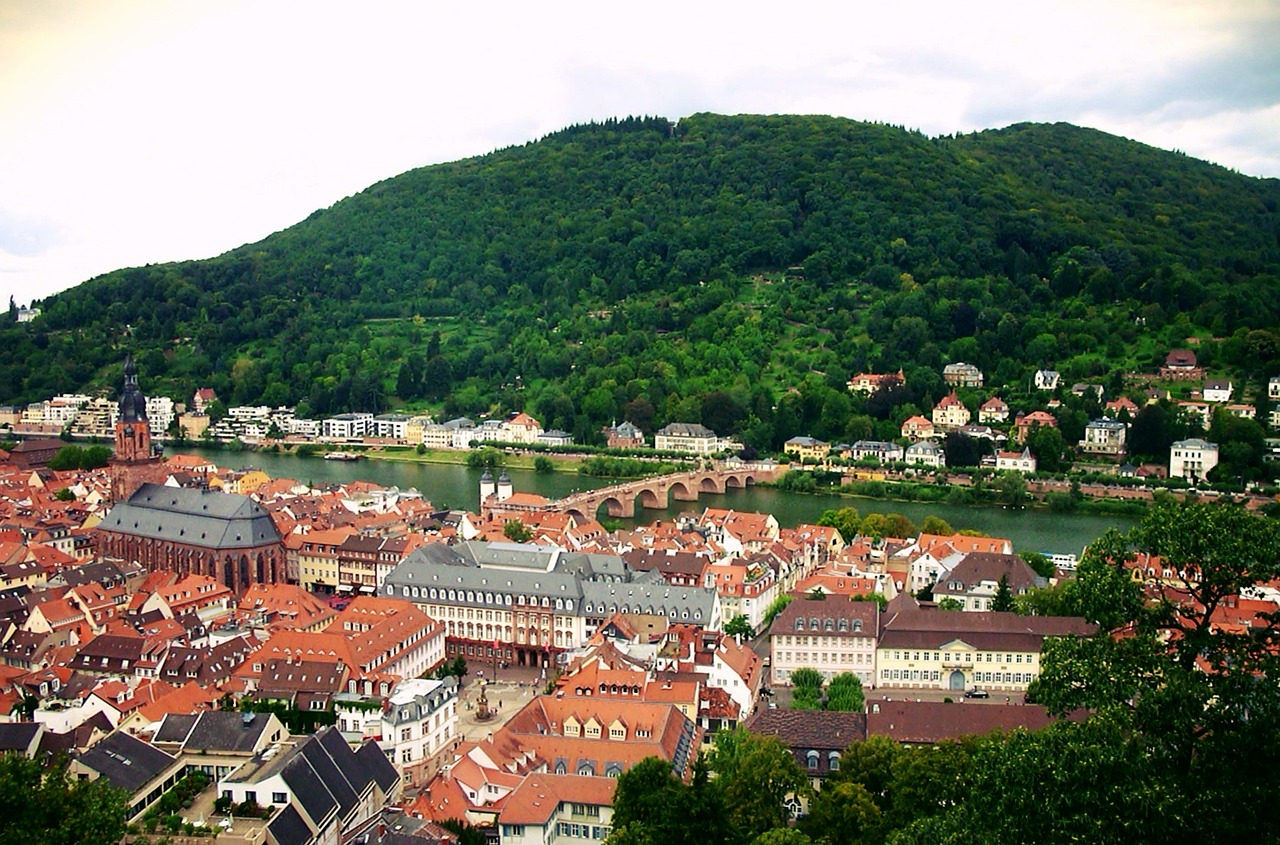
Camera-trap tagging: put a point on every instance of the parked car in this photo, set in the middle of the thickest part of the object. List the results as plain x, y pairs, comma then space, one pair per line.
977, 693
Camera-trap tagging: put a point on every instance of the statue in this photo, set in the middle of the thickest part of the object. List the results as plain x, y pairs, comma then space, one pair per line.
483, 713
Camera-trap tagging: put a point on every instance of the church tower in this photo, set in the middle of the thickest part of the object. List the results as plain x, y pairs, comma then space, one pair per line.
134, 461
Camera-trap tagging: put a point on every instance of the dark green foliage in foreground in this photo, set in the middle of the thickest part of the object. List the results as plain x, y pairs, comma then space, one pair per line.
48, 808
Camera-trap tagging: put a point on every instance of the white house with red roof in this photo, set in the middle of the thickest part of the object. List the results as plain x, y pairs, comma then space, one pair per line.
1022, 461
950, 413
917, 428
551, 808
994, 410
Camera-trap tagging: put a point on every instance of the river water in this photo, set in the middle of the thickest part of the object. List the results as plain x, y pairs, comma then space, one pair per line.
456, 486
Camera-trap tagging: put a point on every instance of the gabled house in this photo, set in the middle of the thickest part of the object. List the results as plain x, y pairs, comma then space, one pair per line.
950, 413
926, 453
1217, 390
994, 410
1023, 461
816, 738
1047, 379
917, 428
975, 579
321, 789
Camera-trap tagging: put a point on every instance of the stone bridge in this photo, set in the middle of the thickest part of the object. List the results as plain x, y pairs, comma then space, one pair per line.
657, 493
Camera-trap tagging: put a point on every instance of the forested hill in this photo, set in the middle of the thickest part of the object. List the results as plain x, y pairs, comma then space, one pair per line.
641, 267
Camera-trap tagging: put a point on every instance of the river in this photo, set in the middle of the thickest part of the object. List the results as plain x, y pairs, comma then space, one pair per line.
457, 486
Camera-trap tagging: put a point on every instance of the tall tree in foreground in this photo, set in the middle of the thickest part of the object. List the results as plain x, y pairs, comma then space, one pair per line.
48, 808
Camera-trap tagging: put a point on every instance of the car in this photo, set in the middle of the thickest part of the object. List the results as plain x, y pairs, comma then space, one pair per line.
977, 693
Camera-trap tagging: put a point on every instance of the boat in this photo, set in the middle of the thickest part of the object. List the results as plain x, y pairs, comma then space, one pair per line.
342, 456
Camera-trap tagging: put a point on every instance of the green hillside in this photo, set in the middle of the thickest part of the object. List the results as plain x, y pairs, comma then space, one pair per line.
697, 271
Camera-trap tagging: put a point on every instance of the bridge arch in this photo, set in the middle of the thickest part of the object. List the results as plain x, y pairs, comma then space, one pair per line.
653, 498
711, 484
683, 491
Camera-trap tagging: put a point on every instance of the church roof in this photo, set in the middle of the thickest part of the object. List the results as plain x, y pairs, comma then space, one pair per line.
197, 517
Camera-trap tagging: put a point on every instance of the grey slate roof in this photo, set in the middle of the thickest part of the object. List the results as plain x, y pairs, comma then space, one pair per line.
289, 828
175, 727
308, 789
435, 567
226, 731
375, 764
327, 770
126, 762
198, 517
18, 736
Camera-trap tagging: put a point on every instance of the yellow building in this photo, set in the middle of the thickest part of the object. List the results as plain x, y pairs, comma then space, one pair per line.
940, 649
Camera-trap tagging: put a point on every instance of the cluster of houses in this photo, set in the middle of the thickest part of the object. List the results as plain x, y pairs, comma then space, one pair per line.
159, 618
129, 666
1104, 437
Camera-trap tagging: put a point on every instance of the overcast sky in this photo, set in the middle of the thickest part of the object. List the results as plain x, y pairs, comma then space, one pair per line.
142, 131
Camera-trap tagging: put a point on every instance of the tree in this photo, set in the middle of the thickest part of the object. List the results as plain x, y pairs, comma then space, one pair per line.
782, 836
775, 607
842, 813
1003, 601
758, 774
49, 808
738, 626
647, 801
1040, 564
543, 465
844, 520
806, 689
1049, 447
1011, 487
1196, 698
949, 603
516, 531
844, 693
936, 525
963, 450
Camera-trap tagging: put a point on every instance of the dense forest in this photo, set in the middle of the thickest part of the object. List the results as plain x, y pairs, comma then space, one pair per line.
734, 271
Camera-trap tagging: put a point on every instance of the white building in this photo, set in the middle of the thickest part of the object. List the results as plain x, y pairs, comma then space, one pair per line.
686, 437
1104, 437
159, 414
391, 426
1047, 379
1022, 461
1218, 390
418, 724
1192, 458
828, 636
347, 426
926, 453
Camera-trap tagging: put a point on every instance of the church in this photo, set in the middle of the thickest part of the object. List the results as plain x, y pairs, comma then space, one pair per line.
226, 536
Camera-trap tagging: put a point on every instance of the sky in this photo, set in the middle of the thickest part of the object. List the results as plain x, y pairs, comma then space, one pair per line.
143, 131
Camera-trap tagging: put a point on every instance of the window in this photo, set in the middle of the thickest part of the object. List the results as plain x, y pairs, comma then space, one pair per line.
406, 755
279, 798
812, 759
